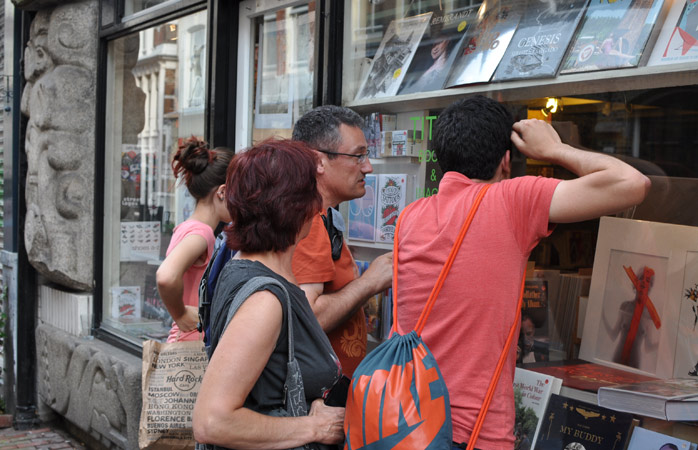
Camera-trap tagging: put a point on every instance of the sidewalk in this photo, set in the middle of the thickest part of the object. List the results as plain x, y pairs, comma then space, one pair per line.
38, 439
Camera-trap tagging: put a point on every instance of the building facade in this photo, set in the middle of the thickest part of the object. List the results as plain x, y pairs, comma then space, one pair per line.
104, 90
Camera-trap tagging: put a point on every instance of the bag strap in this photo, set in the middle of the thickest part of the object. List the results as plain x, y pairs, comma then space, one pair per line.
250, 287
419, 327
497, 371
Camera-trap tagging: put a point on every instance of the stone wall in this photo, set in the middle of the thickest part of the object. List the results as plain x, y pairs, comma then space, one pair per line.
92, 384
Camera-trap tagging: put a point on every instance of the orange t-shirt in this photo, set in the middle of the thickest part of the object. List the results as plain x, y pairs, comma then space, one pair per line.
312, 263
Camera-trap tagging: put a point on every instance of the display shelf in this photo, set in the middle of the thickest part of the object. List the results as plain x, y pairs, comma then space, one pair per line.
648, 77
394, 160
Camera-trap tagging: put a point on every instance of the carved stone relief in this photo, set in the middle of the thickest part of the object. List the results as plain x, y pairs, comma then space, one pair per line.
93, 385
59, 100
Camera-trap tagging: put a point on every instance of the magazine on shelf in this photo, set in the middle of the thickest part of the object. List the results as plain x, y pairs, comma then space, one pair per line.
612, 35
437, 50
678, 40
393, 57
643, 439
485, 42
572, 424
392, 190
541, 39
362, 212
672, 399
532, 391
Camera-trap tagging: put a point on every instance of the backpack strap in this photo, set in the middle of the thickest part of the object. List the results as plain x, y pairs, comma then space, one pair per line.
419, 327
497, 371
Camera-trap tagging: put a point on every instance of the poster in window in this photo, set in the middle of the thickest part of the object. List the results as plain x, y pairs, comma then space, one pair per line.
678, 40
140, 241
392, 190
612, 35
362, 212
541, 39
126, 303
437, 50
130, 181
393, 57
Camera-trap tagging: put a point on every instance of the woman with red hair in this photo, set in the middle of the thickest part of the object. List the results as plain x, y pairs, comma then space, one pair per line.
272, 196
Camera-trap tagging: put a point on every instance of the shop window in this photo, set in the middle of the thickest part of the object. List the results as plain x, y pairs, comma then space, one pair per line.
134, 6
624, 86
155, 84
283, 69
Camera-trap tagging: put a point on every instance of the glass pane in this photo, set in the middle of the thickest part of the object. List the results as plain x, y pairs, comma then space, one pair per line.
414, 45
134, 6
284, 67
155, 99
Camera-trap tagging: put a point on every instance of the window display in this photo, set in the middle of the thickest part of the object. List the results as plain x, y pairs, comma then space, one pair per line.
155, 100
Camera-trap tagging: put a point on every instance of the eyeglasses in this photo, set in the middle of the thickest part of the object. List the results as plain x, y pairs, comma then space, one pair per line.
360, 159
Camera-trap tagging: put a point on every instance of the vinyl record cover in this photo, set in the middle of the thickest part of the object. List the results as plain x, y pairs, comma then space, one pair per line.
573, 425
678, 41
362, 213
541, 39
484, 44
612, 35
393, 57
437, 50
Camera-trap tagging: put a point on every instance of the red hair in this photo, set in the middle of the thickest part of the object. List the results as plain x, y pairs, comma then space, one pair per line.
271, 191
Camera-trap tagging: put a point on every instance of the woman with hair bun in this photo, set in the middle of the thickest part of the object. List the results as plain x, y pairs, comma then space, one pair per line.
203, 172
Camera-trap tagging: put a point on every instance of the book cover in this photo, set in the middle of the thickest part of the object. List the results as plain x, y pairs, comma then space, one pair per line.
678, 40
374, 313
531, 394
588, 376
372, 133
437, 50
570, 424
393, 57
392, 190
126, 302
672, 399
541, 39
533, 337
362, 212
643, 439
612, 35
485, 42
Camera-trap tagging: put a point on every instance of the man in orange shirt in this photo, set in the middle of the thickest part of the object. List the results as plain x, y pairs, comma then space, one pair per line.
323, 266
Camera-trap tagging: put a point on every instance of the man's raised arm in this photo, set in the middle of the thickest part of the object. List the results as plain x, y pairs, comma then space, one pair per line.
606, 185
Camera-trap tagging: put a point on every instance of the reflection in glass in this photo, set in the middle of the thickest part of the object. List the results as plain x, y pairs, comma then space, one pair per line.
155, 100
284, 69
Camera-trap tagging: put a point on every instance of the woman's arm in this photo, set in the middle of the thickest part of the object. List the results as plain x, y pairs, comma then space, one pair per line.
239, 359
169, 280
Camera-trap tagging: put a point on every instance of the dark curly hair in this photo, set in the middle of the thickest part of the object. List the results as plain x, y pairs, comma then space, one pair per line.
471, 136
271, 191
202, 169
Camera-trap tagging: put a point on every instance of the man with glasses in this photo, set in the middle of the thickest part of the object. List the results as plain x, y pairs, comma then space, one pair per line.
322, 263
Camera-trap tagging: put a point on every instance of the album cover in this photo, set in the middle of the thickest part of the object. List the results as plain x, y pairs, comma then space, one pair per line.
485, 42
393, 57
541, 39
